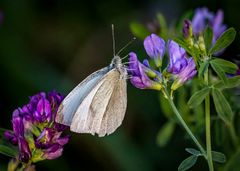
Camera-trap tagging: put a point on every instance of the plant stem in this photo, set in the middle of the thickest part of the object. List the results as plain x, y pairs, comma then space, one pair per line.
233, 135
175, 110
208, 126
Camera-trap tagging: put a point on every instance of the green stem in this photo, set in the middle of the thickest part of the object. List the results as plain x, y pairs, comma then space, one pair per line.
233, 135
208, 126
175, 110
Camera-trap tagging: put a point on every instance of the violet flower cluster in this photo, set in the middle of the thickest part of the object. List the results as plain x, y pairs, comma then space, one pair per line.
35, 132
201, 19
204, 17
180, 67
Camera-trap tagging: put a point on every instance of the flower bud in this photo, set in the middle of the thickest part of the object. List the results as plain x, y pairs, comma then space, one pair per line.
24, 151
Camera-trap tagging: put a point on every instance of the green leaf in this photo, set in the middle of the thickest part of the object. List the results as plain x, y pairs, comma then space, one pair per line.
219, 71
218, 157
8, 151
231, 83
139, 30
198, 97
183, 44
193, 151
224, 40
208, 37
165, 133
188, 163
225, 65
203, 67
222, 106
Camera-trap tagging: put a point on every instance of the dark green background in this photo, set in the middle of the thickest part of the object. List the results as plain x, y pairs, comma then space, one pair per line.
52, 45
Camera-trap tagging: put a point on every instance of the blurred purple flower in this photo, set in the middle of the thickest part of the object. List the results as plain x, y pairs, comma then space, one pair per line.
177, 57
34, 122
155, 48
204, 17
201, 19
217, 25
11, 137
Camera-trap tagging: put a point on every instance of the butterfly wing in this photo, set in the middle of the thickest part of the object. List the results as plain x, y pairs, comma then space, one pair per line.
103, 109
70, 103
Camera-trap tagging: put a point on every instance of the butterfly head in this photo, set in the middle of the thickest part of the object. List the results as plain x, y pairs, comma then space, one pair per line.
117, 62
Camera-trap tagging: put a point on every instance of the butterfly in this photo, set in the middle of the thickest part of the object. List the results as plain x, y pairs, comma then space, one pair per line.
98, 104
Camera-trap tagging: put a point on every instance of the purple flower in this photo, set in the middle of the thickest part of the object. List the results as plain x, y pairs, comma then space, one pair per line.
182, 68
177, 56
34, 124
187, 73
204, 17
201, 19
138, 71
155, 48
138, 77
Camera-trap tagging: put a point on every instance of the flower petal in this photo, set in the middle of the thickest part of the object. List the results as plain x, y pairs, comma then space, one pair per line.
177, 56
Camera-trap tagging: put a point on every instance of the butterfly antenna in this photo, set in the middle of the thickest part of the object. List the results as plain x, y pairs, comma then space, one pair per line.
113, 39
124, 47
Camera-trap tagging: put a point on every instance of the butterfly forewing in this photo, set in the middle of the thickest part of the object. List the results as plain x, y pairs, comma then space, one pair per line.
70, 104
92, 116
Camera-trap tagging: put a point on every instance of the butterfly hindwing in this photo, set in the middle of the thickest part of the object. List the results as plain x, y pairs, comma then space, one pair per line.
115, 110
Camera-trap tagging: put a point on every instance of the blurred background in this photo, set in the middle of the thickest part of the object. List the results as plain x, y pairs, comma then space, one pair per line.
52, 45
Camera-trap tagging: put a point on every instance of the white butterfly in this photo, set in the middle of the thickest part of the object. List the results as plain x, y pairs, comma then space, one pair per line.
98, 104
